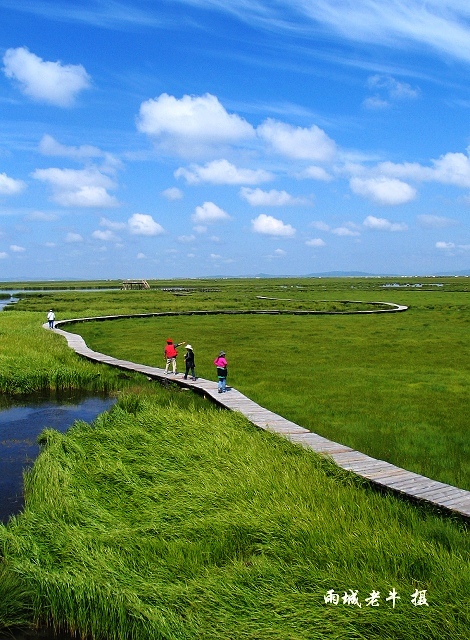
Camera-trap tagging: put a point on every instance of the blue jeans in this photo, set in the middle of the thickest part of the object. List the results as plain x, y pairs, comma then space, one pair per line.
222, 384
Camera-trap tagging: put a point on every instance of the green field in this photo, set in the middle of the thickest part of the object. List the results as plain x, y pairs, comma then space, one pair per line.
394, 386
169, 519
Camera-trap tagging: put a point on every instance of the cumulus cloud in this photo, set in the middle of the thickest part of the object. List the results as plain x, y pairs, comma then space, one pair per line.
345, 231
49, 146
450, 168
315, 242
50, 82
435, 222
173, 193
73, 237
186, 239
209, 213
383, 190
16, 248
316, 173
270, 226
445, 246
191, 120
42, 216
382, 224
320, 225
389, 87
106, 236
273, 198
111, 224
142, 224
222, 172
297, 142
3, 255
78, 187
10, 186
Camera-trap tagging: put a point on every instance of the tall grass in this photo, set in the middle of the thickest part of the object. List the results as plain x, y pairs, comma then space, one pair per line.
34, 360
161, 523
394, 386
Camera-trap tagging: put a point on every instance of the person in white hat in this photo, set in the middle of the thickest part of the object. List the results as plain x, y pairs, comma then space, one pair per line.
189, 363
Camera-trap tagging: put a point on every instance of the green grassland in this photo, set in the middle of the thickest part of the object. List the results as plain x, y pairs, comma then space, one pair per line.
170, 519
393, 385
161, 523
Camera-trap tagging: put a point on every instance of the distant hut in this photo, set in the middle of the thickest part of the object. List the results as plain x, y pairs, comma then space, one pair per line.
135, 284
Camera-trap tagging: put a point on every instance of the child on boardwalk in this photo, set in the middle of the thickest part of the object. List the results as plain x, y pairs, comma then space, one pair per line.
189, 362
221, 364
170, 353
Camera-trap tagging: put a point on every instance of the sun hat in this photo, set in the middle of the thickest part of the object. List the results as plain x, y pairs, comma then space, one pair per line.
222, 353
188, 346
169, 340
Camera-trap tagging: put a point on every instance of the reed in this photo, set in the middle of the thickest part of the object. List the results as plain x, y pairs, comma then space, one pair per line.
157, 522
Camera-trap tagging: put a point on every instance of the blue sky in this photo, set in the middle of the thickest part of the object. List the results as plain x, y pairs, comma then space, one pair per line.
190, 138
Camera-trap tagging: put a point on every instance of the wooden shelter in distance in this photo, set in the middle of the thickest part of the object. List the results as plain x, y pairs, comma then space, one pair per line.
135, 284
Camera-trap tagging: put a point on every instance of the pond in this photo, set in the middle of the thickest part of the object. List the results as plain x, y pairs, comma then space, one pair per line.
20, 425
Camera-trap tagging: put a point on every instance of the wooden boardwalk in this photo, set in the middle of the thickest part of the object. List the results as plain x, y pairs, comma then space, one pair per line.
379, 472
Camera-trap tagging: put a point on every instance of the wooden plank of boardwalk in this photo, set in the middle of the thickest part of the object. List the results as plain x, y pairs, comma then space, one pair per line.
384, 474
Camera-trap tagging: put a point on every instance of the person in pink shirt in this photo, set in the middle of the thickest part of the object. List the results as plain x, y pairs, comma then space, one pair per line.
221, 364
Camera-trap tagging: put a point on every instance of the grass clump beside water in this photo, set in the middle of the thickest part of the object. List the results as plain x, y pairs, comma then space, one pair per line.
156, 522
33, 360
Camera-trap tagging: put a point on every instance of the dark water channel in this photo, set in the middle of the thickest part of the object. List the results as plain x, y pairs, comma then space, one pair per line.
20, 425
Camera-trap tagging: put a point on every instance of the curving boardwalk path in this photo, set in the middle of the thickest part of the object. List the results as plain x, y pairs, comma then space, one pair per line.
379, 472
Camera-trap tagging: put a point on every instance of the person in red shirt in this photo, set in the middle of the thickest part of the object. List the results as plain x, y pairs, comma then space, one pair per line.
170, 353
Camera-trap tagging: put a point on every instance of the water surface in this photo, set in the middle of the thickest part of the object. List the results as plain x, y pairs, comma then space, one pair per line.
20, 425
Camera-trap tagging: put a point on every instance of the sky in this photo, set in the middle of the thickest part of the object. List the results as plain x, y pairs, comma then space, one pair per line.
197, 138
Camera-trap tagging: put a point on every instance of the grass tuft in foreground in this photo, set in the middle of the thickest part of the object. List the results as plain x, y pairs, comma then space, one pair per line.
157, 522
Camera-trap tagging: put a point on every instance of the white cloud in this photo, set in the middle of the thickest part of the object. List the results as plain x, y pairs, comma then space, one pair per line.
297, 142
192, 118
16, 249
273, 198
10, 186
395, 89
140, 256
106, 236
435, 222
73, 237
280, 253
374, 103
186, 239
49, 146
3, 255
315, 242
445, 246
382, 190
222, 172
270, 226
142, 224
209, 213
450, 168
381, 224
345, 231
173, 193
50, 82
78, 187
320, 225
316, 173
43, 216
110, 224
